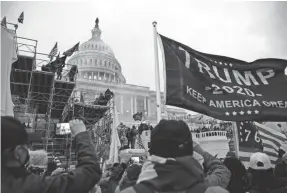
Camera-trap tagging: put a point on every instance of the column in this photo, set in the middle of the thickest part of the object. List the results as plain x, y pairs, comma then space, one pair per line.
145, 103
104, 76
122, 104
148, 107
93, 76
135, 102
132, 105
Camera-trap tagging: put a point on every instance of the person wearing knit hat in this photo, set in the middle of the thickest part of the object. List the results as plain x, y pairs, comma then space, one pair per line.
170, 139
14, 143
172, 167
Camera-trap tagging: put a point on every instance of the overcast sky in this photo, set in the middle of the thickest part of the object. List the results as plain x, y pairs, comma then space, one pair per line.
244, 30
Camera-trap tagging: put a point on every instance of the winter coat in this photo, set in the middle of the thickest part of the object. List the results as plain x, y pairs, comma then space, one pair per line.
218, 174
116, 176
182, 174
82, 179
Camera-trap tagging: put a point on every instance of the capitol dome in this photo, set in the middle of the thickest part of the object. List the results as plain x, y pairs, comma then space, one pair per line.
96, 60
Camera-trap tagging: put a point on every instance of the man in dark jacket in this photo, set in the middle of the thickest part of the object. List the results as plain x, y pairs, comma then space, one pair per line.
16, 179
172, 168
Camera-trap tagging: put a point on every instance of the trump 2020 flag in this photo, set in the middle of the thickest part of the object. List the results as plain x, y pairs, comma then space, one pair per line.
222, 87
115, 140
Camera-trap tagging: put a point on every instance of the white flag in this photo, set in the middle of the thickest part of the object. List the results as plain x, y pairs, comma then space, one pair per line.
115, 140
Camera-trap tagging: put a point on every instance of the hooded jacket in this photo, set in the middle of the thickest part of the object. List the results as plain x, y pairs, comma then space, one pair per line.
81, 179
182, 174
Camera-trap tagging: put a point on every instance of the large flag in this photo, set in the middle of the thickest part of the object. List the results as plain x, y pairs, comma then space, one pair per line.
54, 51
21, 18
70, 51
9, 56
115, 140
271, 140
222, 87
254, 137
138, 116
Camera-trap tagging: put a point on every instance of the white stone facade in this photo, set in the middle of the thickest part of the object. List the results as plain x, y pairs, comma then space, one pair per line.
99, 70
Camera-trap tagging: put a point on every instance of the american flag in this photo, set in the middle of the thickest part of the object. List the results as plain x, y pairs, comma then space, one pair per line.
254, 137
54, 51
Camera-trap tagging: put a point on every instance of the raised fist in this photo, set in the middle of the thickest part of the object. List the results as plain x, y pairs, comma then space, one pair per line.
77, 126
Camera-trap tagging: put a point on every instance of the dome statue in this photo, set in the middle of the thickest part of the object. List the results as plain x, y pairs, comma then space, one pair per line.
96, 60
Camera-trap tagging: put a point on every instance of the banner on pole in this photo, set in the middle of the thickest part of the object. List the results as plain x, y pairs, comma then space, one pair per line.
222, 87
254, 137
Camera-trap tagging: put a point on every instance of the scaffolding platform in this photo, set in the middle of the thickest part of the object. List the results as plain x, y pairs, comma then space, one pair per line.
40, 91
20, 76
62, 93
43, 100
90, 114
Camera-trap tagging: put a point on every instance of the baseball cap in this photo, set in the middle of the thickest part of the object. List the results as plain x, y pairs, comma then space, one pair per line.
173, 137
260, 161
13, 133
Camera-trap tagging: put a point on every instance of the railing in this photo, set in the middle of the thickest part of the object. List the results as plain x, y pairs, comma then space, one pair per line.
208, 134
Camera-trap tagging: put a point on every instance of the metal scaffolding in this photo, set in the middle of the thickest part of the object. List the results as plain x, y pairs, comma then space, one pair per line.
97, 118
41, 101
39, 97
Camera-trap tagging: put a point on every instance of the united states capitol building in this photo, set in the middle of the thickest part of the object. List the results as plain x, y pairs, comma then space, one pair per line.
98, 70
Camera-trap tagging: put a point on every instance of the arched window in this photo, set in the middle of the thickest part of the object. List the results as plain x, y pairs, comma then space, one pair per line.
100, 62
85, 61
95, 61
91, 61
92, 46
105, 63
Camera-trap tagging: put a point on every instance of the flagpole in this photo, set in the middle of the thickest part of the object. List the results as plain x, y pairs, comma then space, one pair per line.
164, 68
157, 80
235, 138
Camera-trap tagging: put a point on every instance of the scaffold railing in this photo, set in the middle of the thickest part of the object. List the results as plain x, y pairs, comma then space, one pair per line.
97, 118
39, 96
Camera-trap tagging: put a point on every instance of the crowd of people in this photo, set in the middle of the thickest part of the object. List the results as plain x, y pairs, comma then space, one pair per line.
128, 135
170, 166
